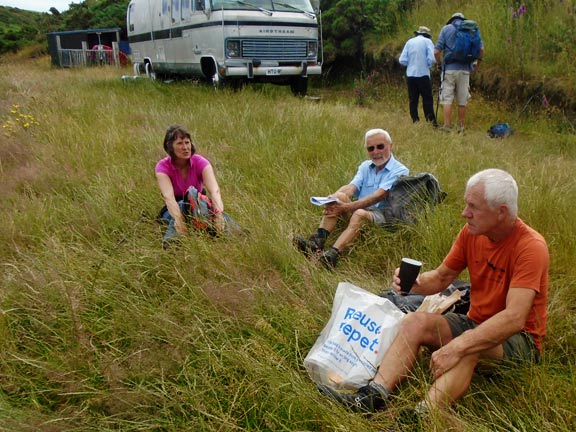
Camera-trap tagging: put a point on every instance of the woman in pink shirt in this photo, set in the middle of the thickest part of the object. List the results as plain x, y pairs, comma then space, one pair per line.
176, 173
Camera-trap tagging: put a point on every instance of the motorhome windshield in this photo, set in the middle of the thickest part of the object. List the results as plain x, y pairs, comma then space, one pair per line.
303, 6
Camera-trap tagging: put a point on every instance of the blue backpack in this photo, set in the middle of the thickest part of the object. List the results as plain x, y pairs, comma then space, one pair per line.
467, 43
500, 130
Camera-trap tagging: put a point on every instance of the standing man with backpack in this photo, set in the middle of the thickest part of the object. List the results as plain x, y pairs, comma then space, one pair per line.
418, 57
463, 49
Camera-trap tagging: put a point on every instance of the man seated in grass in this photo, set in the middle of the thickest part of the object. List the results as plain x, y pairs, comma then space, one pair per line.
508, 266
370, 187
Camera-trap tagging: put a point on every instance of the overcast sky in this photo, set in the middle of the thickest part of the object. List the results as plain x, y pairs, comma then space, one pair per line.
39, 5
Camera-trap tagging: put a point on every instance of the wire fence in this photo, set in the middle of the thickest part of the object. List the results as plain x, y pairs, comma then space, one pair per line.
91, 57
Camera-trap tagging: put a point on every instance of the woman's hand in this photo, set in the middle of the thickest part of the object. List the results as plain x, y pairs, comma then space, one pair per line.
180, 225
219, 222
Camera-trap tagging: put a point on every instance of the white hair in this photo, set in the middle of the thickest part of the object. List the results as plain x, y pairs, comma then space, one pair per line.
373, 132
500, 188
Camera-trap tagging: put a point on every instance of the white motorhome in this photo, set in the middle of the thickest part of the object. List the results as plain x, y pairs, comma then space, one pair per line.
234, 41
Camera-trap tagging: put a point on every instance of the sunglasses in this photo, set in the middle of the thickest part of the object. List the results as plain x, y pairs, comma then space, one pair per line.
378, 146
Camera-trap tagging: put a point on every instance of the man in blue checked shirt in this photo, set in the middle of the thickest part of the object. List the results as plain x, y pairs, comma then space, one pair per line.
369, 187
418, 57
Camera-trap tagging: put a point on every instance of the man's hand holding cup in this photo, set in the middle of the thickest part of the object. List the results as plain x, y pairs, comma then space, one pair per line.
405, 276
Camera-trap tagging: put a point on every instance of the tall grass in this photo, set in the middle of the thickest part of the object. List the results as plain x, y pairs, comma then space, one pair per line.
527, 43
101, 329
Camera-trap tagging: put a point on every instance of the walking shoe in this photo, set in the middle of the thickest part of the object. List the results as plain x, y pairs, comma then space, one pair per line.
445, 128
309, 247
460, 129
329, 259
366, 399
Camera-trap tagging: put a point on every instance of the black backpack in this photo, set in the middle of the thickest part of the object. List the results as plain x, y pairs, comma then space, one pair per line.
410, 196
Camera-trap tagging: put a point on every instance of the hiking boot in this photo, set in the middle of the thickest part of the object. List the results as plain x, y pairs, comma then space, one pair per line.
329, 259
366, 399
311, 246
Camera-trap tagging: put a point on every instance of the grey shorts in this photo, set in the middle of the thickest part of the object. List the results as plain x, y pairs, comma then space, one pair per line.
518, 348
377, 216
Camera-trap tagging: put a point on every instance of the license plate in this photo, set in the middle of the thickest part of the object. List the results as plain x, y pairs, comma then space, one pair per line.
273, 71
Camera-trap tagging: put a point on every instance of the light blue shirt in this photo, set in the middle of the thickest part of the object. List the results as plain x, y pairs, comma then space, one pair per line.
418, 56
368, 181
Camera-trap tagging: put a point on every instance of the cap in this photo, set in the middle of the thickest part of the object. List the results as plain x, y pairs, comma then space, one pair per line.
457, 15
423, 30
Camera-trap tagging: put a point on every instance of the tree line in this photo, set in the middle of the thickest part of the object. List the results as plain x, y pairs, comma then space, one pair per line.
21, 28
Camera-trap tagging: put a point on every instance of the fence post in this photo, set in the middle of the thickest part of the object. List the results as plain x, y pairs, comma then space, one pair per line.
84, 53
59, 48
116, 50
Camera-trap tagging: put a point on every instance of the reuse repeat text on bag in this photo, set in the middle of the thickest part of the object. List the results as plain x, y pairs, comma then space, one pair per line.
349, 349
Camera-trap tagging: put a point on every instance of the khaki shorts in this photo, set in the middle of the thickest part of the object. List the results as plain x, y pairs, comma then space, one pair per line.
455, 82
518, 348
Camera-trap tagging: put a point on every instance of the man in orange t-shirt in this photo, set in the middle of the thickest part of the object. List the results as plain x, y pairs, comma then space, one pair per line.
508, 265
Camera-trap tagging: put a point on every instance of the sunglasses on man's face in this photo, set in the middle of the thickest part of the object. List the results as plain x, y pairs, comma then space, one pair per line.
378, 146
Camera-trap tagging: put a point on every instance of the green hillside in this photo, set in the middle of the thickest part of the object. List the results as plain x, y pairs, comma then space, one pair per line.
21, 29
530, 45
103, 330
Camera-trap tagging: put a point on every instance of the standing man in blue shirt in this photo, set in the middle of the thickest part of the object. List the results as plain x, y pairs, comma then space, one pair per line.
455, 76
418, 57
370, 187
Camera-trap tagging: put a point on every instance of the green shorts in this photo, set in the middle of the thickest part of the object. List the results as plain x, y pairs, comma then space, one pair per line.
518, 348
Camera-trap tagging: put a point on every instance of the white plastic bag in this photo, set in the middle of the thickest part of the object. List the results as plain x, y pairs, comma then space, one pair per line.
351, 346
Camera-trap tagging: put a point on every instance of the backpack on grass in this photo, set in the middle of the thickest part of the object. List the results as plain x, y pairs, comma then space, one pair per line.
500, 130
198, 209
200, 214
410, 196
466, 44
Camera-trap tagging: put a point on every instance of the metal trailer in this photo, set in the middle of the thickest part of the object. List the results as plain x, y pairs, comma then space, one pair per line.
226, 41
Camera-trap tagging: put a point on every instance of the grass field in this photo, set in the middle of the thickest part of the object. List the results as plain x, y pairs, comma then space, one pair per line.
101, 329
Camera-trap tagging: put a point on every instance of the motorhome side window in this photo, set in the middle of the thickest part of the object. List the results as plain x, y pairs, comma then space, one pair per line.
165, 7
175, 10
185, 10
131, 17
199, 5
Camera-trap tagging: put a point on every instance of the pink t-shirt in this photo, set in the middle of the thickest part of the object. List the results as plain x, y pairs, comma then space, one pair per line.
197, 165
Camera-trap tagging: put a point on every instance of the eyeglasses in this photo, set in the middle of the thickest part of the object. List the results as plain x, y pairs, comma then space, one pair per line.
378, 146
